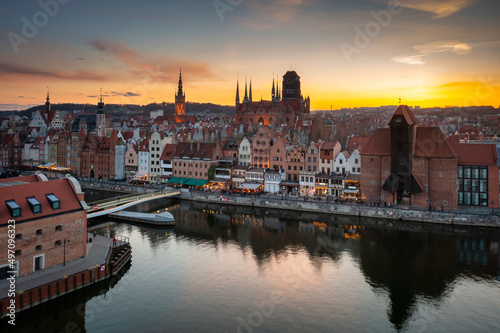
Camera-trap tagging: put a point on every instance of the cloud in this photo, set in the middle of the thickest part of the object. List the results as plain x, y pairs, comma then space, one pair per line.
444, 46
115, 93
164, 67
435, 47
410, 60
9, 69
440, 8
270, 13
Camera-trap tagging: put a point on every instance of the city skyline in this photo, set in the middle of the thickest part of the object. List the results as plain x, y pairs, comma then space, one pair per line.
364, 53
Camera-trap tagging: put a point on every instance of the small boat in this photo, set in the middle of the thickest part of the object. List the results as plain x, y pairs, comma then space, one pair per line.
164, 219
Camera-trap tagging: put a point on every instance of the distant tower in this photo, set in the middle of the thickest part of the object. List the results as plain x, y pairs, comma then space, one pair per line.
245, 99
47, 103
291, 86
237, 91
100, 117
250, 95
180, 98
273, 91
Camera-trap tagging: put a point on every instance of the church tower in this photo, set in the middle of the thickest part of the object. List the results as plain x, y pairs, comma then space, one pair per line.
47, 103
180, 99
291, 86
100, 117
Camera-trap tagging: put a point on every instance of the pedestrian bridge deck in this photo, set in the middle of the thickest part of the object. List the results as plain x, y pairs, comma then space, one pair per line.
112, 205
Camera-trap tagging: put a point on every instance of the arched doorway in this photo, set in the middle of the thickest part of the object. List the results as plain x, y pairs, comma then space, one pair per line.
91, 173
261, 121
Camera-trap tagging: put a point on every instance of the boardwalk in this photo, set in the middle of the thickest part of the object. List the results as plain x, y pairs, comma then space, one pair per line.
96, 254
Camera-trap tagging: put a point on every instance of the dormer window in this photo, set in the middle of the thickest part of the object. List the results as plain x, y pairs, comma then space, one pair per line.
14, 208
54, 202
35, 205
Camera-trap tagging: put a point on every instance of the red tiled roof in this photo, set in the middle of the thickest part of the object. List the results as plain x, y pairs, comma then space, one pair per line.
476, 153
379, 143
357, 142
27, 179
61, 188
168, 152
431, 142
406, 113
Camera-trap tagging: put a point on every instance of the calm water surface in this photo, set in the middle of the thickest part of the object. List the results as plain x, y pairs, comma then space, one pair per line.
235, 269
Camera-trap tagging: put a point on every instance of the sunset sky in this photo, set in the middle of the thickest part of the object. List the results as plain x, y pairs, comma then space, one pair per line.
348, 53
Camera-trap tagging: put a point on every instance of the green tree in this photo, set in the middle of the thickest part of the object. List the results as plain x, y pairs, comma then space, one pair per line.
211, 172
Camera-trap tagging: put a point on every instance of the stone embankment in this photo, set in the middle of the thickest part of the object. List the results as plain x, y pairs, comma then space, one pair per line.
389, 213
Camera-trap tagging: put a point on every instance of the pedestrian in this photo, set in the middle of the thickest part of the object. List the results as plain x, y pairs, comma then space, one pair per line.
95, 233
114, 242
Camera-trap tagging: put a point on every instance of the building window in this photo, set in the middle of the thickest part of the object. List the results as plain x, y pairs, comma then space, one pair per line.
472, 185
53, 201
35, 205
58, 228
38, 248
39, 232
14, 208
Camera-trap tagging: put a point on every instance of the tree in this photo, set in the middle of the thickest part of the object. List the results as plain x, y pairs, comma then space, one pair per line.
211, 172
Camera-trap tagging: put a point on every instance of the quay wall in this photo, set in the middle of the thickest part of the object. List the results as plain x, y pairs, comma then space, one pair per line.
393, 213
27, 299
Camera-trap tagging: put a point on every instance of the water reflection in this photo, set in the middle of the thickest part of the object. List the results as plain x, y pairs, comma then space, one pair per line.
68, 313
407, 264
398, 265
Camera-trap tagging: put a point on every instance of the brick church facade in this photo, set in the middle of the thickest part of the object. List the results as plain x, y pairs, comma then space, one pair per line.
288, 108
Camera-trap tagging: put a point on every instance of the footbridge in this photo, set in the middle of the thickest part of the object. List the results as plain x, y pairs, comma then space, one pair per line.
111, 205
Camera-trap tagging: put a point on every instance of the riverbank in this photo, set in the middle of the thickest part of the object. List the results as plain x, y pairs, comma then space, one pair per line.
392, 213
101, 262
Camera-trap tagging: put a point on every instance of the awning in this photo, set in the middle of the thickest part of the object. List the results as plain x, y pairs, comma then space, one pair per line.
140, 175
196, 182
351, 191
220, 180
177, 180
47, 165
251, 186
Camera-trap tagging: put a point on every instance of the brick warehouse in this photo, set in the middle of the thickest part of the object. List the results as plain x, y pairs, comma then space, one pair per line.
409, 165
46, 213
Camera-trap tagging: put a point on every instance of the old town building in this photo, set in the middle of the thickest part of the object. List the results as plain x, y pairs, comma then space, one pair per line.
50, 222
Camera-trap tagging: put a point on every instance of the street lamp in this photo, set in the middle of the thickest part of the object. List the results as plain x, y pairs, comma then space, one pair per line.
64, 252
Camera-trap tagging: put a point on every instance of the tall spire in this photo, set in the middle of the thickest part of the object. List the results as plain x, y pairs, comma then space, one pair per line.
250, 97
278, 96
237, 90
47, 103
100, 105
246, 91
179, 91
273, 92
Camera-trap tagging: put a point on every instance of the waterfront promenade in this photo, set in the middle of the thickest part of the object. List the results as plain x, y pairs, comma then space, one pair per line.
479, 217
96, 256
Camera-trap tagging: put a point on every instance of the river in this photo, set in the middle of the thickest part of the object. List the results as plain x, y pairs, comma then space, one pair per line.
237, 269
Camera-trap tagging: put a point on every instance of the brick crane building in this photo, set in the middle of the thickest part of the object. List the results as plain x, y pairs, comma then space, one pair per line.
409, 165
